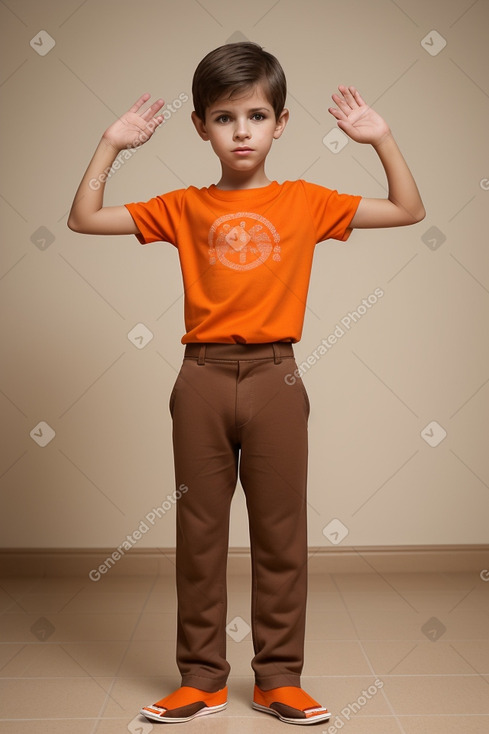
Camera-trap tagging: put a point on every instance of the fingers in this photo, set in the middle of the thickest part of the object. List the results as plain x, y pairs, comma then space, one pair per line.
349, 95
336, 113
358, 97
350, 99
154, 123
150, 111
136, 106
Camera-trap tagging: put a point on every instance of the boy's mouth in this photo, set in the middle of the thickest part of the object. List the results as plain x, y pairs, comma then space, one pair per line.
243, 150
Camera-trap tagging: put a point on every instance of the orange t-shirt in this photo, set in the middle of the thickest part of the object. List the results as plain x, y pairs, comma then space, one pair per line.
246, 254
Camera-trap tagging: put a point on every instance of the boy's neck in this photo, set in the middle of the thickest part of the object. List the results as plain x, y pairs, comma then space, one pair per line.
232, 180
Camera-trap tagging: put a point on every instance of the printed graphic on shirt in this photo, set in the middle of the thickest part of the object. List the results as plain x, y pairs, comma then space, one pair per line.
243, 241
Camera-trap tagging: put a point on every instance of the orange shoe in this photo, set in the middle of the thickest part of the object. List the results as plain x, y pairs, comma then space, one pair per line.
186, 703
291, 704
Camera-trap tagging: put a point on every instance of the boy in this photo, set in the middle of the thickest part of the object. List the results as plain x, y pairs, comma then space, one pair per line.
245, 246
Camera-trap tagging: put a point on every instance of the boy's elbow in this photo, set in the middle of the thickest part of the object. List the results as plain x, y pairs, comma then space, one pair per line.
420, 214
412, 215
76, 225
73, 225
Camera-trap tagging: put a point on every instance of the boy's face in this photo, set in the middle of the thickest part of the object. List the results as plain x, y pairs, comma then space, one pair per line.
241, 130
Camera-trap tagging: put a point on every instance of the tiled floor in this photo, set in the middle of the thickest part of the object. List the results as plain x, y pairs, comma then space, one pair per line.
78, 657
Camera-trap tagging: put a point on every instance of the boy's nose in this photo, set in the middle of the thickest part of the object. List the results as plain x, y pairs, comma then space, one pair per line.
241, 131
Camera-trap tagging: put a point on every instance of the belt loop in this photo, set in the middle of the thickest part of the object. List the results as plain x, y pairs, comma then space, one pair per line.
201, 359
276, 353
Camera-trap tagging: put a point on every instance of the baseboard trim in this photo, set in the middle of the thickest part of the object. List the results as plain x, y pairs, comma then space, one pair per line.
101, 562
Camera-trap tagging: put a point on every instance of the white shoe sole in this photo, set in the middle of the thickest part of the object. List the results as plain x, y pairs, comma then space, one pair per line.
310, 720
172, 720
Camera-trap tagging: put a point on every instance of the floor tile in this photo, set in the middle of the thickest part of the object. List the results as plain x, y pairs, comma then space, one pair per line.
156, 627
386, 654
108, 602
113, 583
389, 600
378, 624
51, 698
475, 653
321, 582
98, 659
429, 581
326, 601
360, 582
17, 587
161, 601
441, 695
42, 661
331, 625
335, 658
460, 724
413, 657
149, 658
67, 627
49, 726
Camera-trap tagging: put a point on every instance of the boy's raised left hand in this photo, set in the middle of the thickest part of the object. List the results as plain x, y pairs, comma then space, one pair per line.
135, 126
359, 121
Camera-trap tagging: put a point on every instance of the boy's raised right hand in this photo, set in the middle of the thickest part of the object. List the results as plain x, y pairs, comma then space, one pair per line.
88, 213
134, 128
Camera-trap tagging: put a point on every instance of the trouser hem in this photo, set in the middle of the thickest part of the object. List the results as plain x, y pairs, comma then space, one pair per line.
278, 681
209, 685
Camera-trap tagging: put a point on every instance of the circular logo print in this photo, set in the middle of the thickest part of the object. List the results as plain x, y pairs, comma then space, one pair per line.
243, 241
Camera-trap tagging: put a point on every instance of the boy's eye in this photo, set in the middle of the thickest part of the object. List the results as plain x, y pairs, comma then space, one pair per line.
256, 116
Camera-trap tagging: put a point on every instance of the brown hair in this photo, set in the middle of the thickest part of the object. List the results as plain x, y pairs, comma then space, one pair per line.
233, 69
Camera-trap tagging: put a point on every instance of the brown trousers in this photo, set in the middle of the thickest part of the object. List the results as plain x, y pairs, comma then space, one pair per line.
234, 408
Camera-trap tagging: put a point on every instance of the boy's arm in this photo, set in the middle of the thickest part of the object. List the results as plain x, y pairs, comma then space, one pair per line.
88, 214
361, 123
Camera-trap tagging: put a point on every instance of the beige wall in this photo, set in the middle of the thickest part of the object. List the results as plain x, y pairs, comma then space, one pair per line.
418, 355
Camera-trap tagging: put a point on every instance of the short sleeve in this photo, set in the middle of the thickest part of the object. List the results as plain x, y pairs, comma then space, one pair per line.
158, 219
331, 212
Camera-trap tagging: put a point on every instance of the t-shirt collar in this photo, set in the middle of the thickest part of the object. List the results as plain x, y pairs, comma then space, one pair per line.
261, 192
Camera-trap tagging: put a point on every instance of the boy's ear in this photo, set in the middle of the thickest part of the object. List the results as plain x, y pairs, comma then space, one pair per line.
281, 123
200, 126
